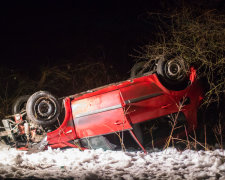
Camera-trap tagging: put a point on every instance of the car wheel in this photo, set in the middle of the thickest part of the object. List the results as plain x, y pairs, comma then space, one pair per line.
20, 104
172, 73
43, 108
138, 69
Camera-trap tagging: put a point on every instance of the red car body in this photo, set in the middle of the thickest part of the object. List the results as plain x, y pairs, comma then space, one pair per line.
118, 107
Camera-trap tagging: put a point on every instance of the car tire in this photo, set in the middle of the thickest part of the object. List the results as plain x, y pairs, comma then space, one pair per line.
20, 104
173, 73
43, 108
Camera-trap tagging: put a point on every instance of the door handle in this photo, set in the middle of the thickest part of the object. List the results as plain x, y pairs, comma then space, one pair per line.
118, 122
166, 106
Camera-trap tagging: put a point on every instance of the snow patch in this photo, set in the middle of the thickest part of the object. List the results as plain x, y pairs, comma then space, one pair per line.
100, 164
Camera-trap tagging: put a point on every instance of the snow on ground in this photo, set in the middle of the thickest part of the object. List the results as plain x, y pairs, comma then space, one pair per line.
100, 164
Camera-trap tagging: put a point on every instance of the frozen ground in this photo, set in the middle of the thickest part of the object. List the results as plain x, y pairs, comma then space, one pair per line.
99, 164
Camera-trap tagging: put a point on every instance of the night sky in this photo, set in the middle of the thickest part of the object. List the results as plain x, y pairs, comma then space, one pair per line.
36, 33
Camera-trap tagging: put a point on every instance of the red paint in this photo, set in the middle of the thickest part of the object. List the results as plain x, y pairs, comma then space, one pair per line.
105, 110
66, 131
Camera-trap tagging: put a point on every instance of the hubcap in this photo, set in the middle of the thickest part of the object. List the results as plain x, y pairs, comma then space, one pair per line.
45, 108
173, 70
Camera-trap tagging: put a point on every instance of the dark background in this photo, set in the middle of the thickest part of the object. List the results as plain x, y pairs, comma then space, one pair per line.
37, 36
45, 33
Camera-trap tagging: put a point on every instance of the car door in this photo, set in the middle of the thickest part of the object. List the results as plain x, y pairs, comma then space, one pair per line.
99, 114
145, 100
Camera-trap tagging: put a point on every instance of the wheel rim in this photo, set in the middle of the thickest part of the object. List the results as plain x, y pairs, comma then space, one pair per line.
45, 108
174, 70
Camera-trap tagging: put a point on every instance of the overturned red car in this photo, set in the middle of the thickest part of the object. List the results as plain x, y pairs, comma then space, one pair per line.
139, 112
